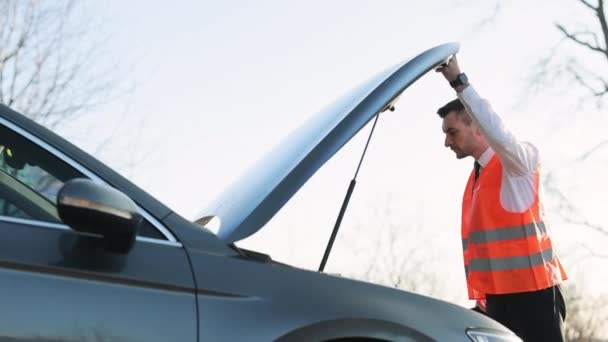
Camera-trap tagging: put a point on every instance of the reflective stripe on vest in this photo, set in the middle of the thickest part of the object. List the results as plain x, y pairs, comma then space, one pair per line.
511, 263
509, 233
501, 234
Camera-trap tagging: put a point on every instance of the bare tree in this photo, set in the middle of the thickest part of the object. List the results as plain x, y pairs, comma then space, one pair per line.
569, 212
576, 64
584, 66
594, 41
50, 60
401, 257
402, 260
593, 80
585, 317
54, 67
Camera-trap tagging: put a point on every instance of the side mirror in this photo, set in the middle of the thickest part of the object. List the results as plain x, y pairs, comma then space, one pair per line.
89, 207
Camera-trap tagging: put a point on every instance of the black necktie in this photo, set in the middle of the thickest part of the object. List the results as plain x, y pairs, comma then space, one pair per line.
477, 168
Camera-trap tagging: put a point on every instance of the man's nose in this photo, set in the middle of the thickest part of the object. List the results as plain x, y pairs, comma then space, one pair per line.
447, 142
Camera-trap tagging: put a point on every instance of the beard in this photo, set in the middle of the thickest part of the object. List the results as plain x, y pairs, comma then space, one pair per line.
460, 154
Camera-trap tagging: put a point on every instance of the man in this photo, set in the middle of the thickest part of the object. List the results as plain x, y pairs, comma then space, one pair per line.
510, 264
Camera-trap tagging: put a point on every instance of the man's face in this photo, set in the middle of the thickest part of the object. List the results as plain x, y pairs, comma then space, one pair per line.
459, 136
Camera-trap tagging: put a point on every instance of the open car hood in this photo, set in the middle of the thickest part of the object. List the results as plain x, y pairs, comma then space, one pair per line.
250, 202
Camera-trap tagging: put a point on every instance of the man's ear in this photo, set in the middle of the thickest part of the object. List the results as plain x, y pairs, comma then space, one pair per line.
475, 128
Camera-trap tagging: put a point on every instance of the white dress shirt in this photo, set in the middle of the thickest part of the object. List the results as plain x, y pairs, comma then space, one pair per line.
519, 159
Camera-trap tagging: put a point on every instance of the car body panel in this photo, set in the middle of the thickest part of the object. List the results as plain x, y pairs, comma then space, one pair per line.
249, 293
60, 285
263, 190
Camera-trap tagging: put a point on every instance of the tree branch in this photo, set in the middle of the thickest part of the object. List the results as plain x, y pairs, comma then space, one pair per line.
567, 210
27, 28
593, 253
592, 150
586, 223
602, 18
573, 37
582, 80
584, 2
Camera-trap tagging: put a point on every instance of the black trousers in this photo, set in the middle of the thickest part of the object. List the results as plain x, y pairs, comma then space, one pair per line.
533, 316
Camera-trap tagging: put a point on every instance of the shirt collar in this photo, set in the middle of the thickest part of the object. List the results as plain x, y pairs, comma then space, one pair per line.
485, 157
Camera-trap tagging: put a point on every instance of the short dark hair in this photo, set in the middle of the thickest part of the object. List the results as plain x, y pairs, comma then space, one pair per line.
454, 106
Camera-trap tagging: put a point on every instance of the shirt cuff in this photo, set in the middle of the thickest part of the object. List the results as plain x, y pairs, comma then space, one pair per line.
469, 95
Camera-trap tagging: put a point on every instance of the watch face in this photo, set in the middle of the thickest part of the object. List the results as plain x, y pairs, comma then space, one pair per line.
463, 79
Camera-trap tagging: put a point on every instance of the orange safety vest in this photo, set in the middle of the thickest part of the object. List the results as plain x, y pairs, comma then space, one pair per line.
505, 252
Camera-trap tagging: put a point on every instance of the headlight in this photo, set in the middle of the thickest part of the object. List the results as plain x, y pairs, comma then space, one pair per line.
490, 335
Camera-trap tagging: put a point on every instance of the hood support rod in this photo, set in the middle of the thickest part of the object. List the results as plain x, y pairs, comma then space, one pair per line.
349, 192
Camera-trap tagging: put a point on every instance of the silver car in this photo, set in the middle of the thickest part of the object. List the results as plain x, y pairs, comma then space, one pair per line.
85, 255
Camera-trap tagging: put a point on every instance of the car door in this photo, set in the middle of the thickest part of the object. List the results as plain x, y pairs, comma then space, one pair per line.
58, 284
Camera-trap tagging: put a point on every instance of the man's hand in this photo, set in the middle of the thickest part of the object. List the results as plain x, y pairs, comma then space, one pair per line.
451, 70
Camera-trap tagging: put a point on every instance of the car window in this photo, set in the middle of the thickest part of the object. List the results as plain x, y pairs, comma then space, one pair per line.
30, 179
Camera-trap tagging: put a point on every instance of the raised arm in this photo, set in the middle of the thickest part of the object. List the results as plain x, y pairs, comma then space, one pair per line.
518, 158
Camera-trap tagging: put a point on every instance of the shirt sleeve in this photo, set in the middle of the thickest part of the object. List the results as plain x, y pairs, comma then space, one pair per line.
518, 158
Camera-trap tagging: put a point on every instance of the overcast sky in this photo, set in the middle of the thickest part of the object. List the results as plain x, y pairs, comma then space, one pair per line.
218, 83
